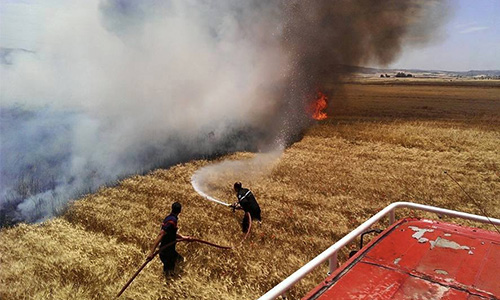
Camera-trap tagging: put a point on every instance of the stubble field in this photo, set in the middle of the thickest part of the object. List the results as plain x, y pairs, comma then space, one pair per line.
386, 141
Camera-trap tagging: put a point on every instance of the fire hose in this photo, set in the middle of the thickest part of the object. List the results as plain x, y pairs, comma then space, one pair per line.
184, 240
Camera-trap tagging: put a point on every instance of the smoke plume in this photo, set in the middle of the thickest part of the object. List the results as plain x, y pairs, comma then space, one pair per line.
119, 87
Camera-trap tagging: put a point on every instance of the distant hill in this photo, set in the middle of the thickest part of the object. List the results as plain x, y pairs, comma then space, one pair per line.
7, 53
431, 73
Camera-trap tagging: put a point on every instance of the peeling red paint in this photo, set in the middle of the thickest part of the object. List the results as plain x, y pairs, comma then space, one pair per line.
420, 259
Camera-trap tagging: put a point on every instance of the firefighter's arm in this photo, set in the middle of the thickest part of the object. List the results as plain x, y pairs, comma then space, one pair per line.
185, 237
235, 206
155, 244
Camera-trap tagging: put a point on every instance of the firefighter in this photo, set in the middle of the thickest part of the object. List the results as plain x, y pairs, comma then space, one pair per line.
246, 201
168, 234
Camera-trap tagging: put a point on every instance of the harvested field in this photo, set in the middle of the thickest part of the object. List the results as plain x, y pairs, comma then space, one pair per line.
383, 143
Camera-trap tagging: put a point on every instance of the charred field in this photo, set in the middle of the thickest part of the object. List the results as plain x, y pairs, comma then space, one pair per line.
384, 141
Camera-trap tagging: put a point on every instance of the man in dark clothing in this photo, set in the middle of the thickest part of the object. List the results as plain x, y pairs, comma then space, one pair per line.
167, 235
247, 202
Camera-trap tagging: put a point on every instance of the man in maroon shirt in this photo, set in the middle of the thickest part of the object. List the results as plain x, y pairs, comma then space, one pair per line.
167, 235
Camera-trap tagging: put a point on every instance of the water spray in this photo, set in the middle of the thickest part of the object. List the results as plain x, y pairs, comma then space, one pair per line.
201, 193
258, 166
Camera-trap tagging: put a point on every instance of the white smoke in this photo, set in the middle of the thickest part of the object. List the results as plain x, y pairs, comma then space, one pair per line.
111, 88
146, 84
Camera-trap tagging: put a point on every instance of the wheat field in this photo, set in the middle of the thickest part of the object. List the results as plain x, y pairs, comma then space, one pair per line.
383, 142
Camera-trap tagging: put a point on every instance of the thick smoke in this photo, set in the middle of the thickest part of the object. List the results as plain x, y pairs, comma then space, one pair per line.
119, 87
327, 38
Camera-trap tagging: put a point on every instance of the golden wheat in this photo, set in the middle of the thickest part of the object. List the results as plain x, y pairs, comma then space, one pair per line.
372, 152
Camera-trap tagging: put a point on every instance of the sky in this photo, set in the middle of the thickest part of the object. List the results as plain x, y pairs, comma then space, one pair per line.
469, 41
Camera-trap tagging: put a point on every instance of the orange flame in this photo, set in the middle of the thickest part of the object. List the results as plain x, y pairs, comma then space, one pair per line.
318, 106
